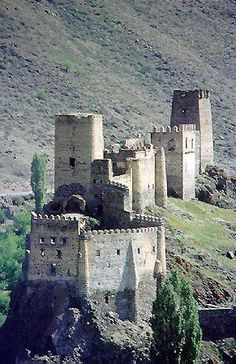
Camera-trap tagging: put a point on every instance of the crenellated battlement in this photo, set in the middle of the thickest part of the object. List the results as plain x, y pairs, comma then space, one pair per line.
89, 233
117, 185
148, 218
174, 129
204, 94
39, 217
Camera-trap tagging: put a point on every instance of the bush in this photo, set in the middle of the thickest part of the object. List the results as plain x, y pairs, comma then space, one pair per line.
41, 94
2, 216
18, 200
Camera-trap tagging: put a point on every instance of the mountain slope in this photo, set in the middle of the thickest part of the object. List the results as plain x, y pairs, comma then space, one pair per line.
121, 58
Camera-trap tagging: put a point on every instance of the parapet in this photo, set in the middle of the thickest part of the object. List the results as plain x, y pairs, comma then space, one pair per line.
175, 129
204, 94
90, 233
117, 185
78, 115
148, 218
39, 217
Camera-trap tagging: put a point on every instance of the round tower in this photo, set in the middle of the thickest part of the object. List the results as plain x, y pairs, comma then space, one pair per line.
78, 142
160, 178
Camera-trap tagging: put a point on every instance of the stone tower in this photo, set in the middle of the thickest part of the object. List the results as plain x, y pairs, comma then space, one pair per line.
194, 107
78, 142
160, 178
179, 146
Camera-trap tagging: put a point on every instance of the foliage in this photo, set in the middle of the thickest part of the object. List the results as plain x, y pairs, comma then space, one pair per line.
175, 324
41, 94
11, 255
38, 184
2, 216
21, 223
17, 200
68, 65
91, 223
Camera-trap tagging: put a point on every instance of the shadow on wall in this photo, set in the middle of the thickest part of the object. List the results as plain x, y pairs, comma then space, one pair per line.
125, 297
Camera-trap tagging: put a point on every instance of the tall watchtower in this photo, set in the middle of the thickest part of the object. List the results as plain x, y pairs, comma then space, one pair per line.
194, 107
78, 142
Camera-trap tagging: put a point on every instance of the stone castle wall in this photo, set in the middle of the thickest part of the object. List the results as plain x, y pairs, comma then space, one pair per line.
103, 260
53, 249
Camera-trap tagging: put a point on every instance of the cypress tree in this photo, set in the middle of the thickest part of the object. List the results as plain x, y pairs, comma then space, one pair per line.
38, 183
175, 323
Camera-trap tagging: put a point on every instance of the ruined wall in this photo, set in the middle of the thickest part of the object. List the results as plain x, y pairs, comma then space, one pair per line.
179, 145
116, 205
206, 133
78, 141
54, 249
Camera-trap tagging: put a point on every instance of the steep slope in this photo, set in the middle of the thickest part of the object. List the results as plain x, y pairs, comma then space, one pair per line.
199, 236
121, 58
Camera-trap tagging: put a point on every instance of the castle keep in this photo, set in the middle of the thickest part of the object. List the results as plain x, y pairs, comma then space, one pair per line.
116, 264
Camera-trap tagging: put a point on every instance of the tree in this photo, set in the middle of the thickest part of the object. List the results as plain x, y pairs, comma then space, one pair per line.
175, 323
38, 184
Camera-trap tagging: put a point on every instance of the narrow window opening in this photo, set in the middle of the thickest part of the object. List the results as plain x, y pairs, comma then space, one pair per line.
53, 240
63, 240
153, 249
68, 272
186, 142
139, 250
118, 251
53, 268
106, 298
153, 186
72, 162
41, 240
59, 254
100, 180
192, 143
94, 180
98, 253
42, 251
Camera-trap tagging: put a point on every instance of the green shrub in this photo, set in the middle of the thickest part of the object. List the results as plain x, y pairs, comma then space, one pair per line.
41, 94
2, 216
68, 65
175, 323
18, 200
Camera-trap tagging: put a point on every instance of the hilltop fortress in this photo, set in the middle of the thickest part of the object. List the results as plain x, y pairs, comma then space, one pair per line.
117, 265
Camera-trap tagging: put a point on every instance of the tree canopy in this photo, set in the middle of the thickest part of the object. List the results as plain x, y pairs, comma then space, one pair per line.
38, 183
175, 323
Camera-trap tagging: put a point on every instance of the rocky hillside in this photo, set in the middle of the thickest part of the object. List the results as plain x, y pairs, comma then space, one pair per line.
121, 58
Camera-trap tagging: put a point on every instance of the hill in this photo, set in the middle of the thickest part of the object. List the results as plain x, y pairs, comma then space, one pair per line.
121, 58
198, 237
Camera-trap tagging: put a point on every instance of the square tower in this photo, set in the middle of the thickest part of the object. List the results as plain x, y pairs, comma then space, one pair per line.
194, 107
179, 146
78, 142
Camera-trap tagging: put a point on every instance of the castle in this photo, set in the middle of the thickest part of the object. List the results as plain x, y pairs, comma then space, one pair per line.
118, 264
